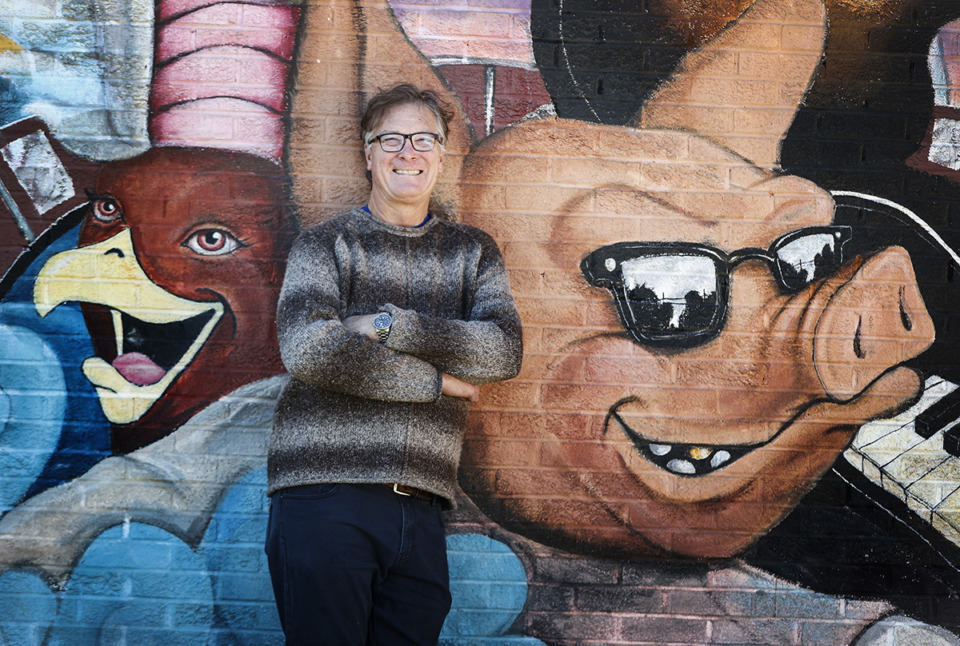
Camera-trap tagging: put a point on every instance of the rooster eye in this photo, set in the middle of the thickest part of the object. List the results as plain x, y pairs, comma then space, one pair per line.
212, 242
107, 209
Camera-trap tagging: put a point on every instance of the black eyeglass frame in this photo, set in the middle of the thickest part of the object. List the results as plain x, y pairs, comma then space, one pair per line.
594, 270
379, 140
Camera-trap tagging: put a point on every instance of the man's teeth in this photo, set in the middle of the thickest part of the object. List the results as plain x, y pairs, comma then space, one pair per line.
407, 172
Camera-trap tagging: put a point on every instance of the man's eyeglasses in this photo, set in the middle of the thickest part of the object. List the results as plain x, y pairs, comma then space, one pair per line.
676, 293
392, 142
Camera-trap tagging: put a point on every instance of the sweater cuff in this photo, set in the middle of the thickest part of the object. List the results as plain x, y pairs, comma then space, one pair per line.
400, 328
399, 338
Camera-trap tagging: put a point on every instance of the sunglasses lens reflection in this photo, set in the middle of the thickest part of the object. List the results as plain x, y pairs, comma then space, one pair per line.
670, 295
675, 294
803, 260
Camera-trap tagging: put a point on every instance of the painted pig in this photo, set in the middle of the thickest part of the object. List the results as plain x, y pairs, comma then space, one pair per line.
699, 349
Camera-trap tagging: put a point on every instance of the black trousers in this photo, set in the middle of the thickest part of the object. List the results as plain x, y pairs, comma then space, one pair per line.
357, 564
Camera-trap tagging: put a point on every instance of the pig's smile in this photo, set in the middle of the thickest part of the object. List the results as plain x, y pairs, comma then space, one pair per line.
681, 459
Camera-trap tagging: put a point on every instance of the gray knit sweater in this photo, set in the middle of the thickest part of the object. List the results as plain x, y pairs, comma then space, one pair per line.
359, 411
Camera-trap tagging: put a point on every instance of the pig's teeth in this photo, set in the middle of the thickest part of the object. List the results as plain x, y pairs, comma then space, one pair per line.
682, 466
700, 452
719, 458
683, 459
660, 449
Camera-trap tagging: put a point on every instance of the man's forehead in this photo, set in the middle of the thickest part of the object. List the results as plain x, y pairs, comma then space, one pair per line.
406, 113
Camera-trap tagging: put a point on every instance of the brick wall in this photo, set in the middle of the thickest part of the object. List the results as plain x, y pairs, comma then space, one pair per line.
730, 230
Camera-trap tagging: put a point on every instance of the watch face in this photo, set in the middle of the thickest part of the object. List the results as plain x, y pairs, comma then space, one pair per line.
382, 321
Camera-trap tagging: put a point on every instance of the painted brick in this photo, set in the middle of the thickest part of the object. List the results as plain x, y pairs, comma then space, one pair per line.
757, 631
577, 594
667, 630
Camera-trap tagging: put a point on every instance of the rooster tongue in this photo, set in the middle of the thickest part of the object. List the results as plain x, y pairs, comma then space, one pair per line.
138, 369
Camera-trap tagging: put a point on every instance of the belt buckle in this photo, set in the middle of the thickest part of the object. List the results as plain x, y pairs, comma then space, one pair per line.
397, 491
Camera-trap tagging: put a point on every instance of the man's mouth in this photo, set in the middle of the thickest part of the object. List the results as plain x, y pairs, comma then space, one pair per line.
683, 459
400, 171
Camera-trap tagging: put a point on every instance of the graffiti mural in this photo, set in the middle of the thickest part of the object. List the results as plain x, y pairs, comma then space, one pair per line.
730, 230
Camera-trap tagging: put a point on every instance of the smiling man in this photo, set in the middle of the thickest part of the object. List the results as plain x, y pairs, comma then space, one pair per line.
388, 319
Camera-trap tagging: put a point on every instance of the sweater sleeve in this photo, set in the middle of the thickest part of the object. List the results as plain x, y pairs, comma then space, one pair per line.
485, 347
315, 346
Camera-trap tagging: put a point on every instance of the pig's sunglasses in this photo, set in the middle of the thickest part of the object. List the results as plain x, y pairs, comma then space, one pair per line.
675, 294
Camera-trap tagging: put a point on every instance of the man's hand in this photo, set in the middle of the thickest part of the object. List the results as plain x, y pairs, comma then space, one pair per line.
453, 387
362, 325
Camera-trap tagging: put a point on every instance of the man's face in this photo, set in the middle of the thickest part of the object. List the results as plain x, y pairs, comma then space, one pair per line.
609, 444
407, 177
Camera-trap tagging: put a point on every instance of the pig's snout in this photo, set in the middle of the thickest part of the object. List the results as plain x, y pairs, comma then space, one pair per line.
873, 322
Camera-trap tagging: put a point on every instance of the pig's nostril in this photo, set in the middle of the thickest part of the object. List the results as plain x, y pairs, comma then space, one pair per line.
904, 315
857, 347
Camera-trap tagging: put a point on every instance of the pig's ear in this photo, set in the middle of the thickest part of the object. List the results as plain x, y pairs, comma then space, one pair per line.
742, 88
348, 50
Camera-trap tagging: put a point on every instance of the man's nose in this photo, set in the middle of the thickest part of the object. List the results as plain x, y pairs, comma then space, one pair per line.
407, 150
873, 322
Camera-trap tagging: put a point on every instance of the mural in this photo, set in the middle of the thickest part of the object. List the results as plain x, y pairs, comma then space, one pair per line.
730, 231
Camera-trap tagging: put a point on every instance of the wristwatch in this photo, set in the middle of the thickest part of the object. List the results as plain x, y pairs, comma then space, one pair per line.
382, 323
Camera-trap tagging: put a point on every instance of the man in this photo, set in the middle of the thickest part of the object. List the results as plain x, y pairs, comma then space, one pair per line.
388, 319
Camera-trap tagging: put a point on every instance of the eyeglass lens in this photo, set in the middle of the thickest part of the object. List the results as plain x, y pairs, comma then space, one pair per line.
808, 258
667, 293
392, 142
676, 293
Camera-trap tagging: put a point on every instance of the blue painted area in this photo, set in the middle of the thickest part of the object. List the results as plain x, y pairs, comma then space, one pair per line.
32, 405
27, 606
136, 584
140, 584
84, 435
83, 66
233, 548
489, 587
43, 40
12, 101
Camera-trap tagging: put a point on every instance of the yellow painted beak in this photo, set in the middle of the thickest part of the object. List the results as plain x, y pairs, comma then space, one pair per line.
108, 274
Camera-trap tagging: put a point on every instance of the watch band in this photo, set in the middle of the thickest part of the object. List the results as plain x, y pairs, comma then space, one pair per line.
382, 323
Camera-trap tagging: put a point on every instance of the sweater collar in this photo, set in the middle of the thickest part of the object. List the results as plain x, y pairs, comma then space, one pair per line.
414, 231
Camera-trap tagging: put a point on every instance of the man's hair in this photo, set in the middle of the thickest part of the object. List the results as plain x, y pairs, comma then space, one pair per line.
403, 94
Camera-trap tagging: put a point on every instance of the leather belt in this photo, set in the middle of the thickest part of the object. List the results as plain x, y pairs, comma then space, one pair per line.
413, 492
